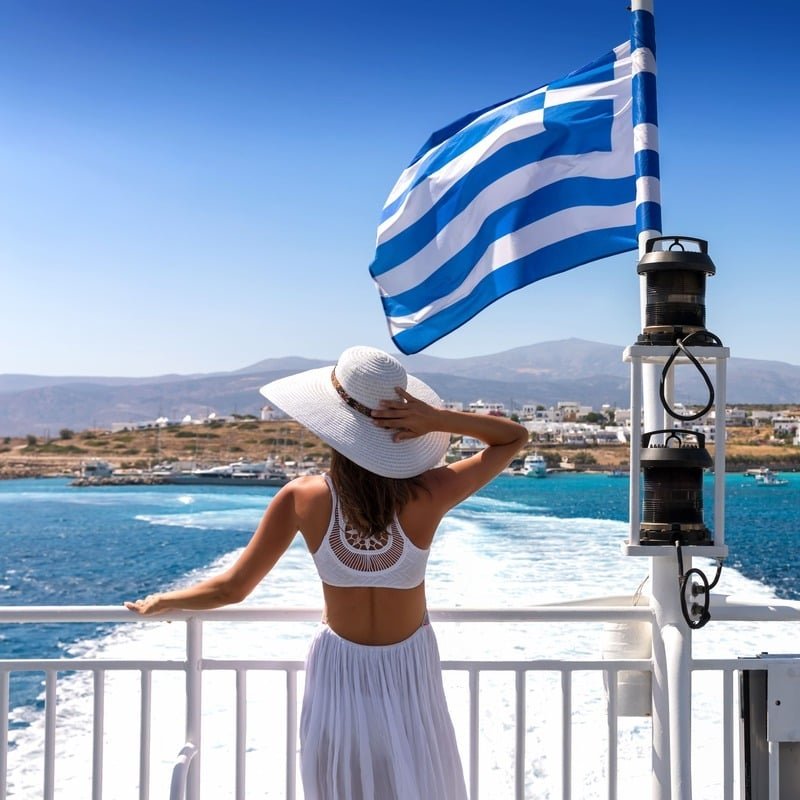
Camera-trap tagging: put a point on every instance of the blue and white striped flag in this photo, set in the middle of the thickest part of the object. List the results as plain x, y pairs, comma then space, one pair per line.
527, 188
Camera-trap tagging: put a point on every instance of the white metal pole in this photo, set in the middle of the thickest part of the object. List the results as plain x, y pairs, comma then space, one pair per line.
719, 453
194, 657
672, 637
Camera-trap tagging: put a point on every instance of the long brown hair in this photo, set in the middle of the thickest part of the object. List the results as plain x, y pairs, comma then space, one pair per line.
369, 501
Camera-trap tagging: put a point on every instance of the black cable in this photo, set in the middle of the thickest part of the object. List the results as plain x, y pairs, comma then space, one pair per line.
680, 348
704, 588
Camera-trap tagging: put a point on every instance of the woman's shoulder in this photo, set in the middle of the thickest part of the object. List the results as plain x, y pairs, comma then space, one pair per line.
310, 498
310, 486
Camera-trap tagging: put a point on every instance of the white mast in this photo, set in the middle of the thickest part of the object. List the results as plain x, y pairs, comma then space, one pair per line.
672, 643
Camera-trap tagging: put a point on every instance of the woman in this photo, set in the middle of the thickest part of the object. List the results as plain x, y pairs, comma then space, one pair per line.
374, 723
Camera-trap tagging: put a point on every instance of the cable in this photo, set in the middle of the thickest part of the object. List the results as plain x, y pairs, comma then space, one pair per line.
680, 348
703, 615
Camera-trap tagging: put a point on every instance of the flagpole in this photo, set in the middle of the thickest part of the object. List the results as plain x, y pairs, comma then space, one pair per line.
645, 126
672, 644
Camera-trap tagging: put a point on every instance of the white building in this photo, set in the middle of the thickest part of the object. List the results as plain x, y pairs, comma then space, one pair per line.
735, 416
786, 425
479, 407
761, 417
468, 446
268, 414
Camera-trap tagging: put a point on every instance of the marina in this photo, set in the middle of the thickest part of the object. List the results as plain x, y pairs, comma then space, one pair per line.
238, 473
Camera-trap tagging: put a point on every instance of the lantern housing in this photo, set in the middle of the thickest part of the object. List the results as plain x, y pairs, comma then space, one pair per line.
673, 489
675, 288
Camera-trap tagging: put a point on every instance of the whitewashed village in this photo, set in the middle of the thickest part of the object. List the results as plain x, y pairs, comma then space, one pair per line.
566, 423
563, 438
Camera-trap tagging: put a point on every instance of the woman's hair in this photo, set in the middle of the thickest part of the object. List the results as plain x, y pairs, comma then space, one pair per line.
369, 501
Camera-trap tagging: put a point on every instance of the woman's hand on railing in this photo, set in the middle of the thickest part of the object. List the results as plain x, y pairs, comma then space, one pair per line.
146, 606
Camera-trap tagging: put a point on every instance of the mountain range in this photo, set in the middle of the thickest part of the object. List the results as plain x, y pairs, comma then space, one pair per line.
591, 373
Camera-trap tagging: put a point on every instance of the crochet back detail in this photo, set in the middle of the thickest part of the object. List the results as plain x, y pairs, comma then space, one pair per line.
348, 558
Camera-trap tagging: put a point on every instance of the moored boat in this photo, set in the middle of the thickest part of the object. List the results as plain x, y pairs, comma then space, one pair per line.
534, 466
769, 478
238, 473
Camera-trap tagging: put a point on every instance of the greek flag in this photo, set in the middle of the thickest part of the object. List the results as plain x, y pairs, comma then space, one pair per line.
505, 196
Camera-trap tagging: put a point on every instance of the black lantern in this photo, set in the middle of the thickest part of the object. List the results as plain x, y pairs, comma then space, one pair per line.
675, 291
673, 489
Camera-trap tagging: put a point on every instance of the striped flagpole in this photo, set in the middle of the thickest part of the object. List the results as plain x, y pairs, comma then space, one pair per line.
672, 644
645, 122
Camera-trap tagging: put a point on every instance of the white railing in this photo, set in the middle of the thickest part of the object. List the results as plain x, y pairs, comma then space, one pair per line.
186, 772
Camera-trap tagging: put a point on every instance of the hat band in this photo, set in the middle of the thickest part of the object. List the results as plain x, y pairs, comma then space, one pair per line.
351, 401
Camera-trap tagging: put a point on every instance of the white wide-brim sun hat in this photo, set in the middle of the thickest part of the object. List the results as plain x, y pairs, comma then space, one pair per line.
335, 402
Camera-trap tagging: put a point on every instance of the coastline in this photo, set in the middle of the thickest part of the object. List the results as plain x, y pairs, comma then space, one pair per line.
287, 443
606, 461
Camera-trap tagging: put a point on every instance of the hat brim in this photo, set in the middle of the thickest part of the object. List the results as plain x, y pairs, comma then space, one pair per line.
311, 399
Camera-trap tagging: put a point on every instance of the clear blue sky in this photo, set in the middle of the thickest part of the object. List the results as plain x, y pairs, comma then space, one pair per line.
195, 186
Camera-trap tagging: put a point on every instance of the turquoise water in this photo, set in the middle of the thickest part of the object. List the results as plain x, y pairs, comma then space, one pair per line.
518, 542
762, 523
61, 545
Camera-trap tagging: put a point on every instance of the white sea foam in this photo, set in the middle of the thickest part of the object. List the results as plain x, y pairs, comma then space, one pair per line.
228, 519
498, 557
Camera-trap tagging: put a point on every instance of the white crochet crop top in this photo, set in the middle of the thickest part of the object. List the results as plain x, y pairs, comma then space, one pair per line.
347, 558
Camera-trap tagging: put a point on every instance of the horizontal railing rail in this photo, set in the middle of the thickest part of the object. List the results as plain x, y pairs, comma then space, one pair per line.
186, 769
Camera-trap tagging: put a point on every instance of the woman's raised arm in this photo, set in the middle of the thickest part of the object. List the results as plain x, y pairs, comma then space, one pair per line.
272, 537
410, 417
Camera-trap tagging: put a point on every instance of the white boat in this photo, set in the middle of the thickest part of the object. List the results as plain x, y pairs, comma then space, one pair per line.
238, 473
534, 466
768, 478
757, 472
96, 468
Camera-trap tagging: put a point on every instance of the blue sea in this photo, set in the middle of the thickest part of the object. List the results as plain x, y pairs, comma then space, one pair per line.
516, 543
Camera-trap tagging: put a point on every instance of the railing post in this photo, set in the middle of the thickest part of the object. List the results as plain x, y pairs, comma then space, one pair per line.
194, 657
291, 734
474, 732
50, 734
97, 738
519, 787
4, 710
144, 734
566, 734
672, 679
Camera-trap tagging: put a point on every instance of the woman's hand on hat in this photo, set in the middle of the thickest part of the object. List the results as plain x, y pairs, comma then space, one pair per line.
408, 416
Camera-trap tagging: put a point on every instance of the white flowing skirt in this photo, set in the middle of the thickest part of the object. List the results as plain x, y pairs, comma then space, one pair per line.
375, 724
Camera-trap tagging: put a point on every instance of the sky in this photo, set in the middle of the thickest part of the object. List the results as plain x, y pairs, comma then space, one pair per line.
192, 187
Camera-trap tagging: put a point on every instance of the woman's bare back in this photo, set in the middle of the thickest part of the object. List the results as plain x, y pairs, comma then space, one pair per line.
368, 615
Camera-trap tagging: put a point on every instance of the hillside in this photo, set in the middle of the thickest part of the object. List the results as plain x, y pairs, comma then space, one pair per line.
590, 373
219, 442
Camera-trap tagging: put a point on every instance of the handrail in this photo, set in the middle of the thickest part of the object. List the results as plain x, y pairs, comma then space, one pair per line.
723, 608
177, 788
549, 613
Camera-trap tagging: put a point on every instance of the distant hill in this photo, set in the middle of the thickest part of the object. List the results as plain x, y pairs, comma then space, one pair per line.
590, 373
